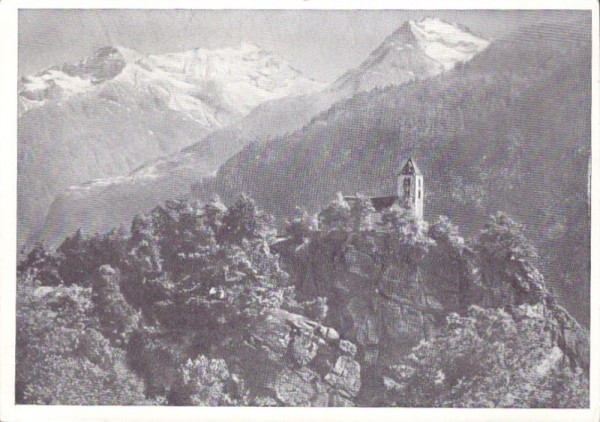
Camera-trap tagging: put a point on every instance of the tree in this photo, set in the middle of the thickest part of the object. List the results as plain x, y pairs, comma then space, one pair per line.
107, 249
405, 234
75, 263
213, 214
42, 265
80, 255
336, 216
361, 214
243, 220
117, 318
301, 225
508, 262
146, 282
503, 238
62, 356
442, 230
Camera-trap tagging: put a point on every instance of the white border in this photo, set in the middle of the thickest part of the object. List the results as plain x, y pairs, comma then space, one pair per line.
307, 4
8, 171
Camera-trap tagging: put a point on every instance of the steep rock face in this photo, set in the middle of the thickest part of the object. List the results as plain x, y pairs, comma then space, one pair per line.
516, 283
382, 306
287, 359
387, 306
573, 339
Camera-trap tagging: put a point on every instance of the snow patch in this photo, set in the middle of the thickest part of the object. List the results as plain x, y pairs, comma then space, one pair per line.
210, 86
446, 43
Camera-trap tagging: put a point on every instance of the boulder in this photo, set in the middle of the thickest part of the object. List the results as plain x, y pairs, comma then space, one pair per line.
335, 400
302, 349
287, 357
348, 348
345, 377
301, 387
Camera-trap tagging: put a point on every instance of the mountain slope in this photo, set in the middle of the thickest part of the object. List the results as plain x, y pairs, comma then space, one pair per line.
509, 130
416, 50
112, 112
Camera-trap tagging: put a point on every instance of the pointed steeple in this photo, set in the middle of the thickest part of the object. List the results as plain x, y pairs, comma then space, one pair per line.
410, 169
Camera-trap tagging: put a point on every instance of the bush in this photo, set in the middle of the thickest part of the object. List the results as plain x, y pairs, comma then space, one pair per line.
301, 225
488, 358
336, 216
208, 382
62, 358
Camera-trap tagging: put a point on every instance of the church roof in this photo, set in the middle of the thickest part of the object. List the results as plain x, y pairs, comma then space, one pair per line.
379, 203
383, 202
410, 168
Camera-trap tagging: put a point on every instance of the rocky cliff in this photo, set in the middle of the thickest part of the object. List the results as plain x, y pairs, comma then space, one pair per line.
388, 303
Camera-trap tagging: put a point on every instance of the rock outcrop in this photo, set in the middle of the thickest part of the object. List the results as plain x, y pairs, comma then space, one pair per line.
388, 304
287, 359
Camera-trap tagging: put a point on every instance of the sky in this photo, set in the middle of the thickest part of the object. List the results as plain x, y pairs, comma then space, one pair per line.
322, 44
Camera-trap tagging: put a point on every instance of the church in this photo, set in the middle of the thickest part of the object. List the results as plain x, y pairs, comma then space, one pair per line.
409, 191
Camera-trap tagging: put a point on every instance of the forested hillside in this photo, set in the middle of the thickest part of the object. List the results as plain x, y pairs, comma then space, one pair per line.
509, 130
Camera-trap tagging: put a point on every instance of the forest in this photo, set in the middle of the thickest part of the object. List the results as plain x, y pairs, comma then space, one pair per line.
203, 304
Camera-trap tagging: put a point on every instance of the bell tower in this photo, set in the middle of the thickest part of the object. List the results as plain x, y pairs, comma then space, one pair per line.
410, 187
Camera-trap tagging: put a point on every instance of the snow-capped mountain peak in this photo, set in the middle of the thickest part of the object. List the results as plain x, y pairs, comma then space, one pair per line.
211, 86
417, 49
444, 42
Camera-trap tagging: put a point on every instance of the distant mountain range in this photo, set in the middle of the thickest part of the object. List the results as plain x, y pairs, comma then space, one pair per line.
417, 50
507, 130
212, 87
110, 113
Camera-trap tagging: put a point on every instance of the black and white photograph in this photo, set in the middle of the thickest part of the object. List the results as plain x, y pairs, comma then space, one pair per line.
370, 208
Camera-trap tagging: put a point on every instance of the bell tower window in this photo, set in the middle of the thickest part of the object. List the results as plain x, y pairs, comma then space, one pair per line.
406, 186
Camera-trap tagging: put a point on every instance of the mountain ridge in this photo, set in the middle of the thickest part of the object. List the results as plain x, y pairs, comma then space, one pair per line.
180, 74
432, 43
